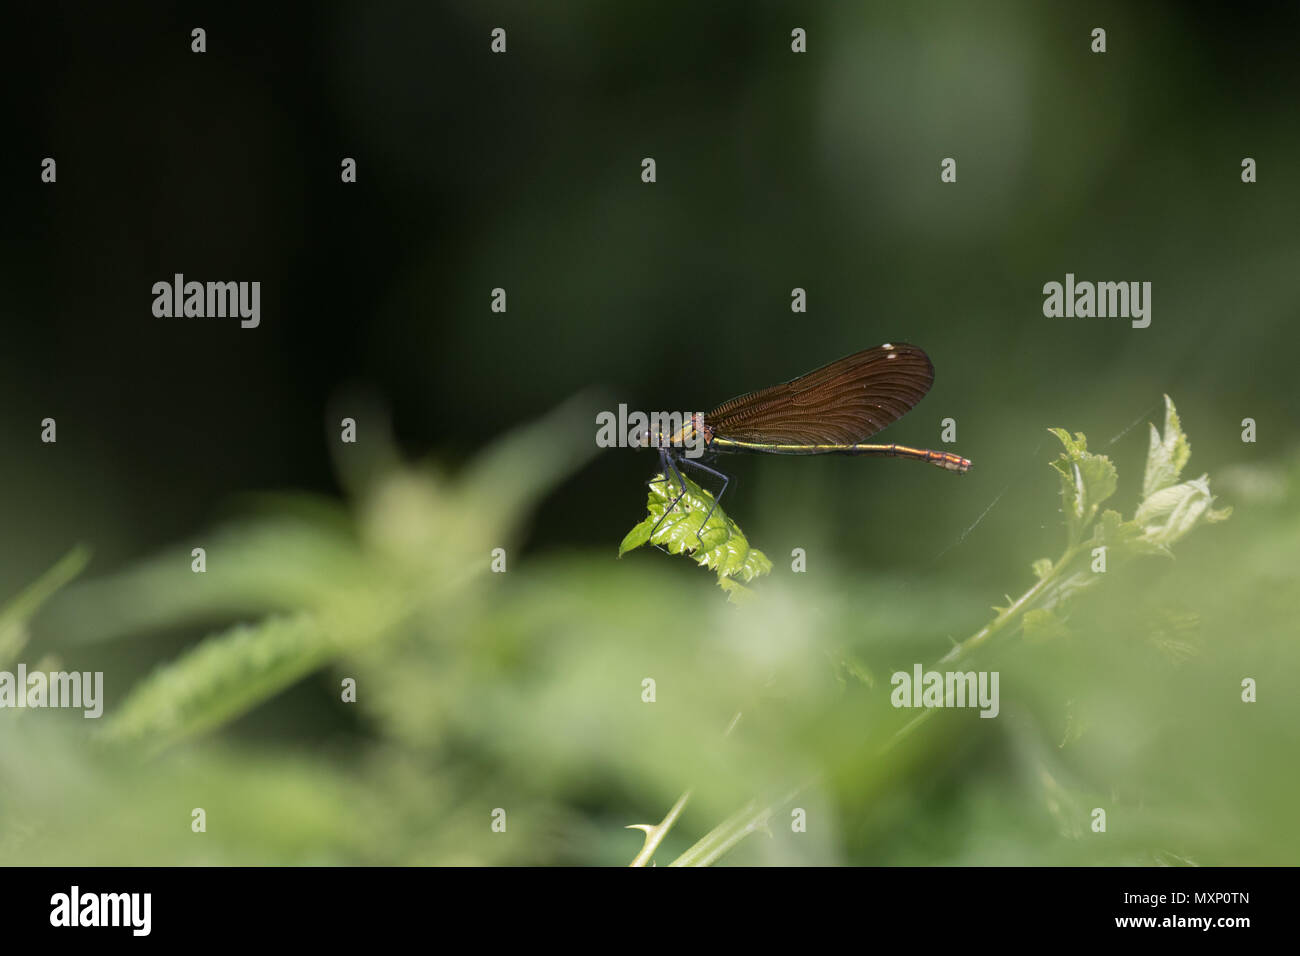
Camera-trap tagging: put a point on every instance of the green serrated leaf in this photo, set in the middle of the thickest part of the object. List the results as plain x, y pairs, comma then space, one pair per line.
1170, 513
736, 592
1167, 455
222, 677
716, 543
637, 536
1087, 480
1122, 538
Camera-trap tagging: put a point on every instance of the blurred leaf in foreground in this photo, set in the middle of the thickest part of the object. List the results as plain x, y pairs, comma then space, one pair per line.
15, 614
327, 583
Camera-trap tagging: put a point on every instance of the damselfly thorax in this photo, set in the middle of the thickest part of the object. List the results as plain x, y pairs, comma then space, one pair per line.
695, 432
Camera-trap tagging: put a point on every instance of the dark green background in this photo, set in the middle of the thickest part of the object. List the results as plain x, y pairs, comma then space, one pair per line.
522, 171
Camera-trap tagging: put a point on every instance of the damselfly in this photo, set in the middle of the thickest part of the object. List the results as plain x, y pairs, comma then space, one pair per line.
830, 411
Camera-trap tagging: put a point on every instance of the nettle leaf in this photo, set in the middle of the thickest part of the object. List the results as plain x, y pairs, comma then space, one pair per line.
1170, 509
1087, 480
221, 678
1168, 455
717, 543
637, 536
1170, 513
1123, 539
736, 592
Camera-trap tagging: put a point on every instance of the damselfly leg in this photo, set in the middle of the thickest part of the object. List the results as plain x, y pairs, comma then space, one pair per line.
726, 480
670, 470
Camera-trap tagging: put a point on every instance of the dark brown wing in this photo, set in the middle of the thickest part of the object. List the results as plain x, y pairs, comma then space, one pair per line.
842, 403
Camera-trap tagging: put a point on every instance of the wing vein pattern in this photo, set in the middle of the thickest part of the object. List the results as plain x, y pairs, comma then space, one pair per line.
844, 402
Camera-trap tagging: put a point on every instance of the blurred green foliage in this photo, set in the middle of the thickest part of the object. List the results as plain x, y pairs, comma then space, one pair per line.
523, 691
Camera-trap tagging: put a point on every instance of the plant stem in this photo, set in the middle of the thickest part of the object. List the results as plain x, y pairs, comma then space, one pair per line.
732, 830
982, 636
655, 835
724, 836
37, 593
1005, 617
